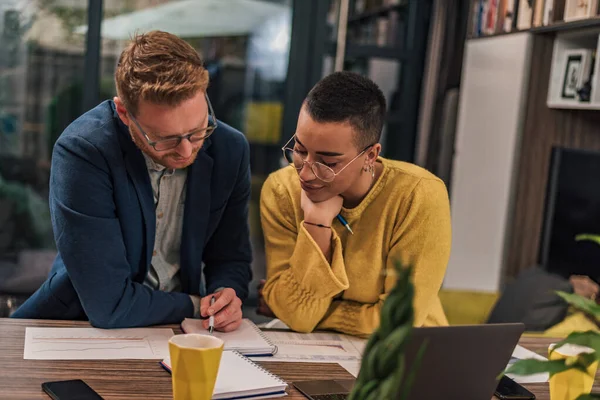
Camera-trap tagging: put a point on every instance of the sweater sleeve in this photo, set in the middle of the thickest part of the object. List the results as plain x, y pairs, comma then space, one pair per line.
422, 238
300, 284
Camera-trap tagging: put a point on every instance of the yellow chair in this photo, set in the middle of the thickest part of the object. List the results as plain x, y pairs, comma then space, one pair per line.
575, 322
263, 122
465, 307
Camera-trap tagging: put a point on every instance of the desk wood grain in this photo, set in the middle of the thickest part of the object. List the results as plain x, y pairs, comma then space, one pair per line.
144, 379
113, 379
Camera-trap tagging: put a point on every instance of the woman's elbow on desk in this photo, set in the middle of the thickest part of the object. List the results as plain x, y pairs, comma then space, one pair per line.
301, 326
298, 318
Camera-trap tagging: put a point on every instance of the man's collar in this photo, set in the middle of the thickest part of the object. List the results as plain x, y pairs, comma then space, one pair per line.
153, 165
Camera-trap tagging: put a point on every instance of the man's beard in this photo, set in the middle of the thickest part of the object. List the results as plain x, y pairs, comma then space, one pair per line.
163, 159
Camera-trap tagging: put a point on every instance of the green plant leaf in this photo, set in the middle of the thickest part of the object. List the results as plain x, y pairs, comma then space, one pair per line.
587, 305
589, 339
533, 366
588, 236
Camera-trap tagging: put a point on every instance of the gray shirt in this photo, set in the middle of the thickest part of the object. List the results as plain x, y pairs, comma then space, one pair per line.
168, 187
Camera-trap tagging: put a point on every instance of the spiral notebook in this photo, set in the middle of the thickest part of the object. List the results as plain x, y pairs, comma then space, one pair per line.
248, 339
241, 378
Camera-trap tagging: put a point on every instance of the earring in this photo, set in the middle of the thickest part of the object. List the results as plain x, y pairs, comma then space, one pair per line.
372, 169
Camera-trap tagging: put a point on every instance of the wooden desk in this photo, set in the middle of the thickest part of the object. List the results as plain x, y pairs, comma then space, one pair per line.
145, 379
113, 379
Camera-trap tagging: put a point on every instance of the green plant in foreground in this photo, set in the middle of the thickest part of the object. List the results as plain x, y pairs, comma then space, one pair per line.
581, 362
590, 339
383, 373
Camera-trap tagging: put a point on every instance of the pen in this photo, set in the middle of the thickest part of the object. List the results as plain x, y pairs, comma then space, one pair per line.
345, 223
211, 319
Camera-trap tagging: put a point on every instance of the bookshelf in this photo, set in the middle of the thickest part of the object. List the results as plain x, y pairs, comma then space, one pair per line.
354, 51
574, 26
570, 26
499, 17
386, 40
377, 11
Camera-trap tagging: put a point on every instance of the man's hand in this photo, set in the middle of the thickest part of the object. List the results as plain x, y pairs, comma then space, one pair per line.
323, 212
227, 310
263, 307
584, 286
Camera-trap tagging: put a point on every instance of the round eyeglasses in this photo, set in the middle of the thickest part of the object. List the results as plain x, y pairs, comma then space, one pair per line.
320, 170
194, 137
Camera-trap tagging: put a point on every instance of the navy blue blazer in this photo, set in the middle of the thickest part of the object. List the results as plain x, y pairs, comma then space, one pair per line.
104, 222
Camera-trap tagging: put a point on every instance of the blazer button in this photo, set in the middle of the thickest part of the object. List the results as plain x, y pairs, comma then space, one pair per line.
154, 253
160, 215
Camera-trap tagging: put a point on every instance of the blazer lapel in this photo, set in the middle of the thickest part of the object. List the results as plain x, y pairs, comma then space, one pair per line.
136, 167
196, 216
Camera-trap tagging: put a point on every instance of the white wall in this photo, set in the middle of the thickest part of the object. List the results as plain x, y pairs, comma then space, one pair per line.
492, 108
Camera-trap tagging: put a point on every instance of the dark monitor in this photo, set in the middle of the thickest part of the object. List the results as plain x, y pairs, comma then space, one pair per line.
572, 208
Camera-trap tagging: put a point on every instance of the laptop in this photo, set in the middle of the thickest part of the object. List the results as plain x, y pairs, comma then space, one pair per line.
460, 362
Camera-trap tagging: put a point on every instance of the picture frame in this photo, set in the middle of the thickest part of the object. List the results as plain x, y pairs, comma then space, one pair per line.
580, 9
576, 73
571, 77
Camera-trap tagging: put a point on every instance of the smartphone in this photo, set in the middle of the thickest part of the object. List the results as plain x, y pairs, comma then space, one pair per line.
70, 390
510, 390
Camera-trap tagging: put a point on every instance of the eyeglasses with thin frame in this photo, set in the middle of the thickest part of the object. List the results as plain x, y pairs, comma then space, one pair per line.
321, 171
194, 137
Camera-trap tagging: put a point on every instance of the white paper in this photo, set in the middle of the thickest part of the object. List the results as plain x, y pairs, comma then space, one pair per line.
96, 344
351, 366
521, 353
247, 339
274, 324
314, 347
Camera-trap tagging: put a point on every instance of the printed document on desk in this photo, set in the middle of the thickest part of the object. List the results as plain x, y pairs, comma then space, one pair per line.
521, 353
248, 339
96, 344
314, 347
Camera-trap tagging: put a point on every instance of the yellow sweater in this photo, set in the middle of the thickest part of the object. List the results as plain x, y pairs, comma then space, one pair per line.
406, 216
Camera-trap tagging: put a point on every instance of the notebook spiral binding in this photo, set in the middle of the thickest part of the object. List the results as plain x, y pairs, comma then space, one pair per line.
255, 365
266, 339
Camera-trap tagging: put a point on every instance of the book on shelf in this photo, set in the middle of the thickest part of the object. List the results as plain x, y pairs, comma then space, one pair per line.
580, 9
524, 14
393, 26
502, 4
478, 13
510, 22
379, 31
538, 12
548, 12
382, 31
491, 17
359, 6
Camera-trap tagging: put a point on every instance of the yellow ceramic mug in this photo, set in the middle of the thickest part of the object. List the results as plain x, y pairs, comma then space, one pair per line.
195, 363
571, 384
